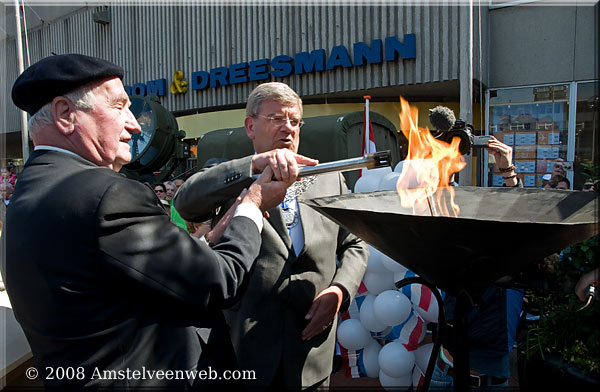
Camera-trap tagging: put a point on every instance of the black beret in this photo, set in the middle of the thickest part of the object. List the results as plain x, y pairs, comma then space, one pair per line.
58, 75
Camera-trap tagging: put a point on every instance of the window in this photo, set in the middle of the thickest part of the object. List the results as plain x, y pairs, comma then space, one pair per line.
586, 132
534, 121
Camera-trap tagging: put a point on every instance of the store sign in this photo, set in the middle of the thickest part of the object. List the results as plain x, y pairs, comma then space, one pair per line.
157, 87
317, 60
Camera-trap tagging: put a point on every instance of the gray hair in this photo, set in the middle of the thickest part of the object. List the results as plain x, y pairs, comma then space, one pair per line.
279, 92
82, 97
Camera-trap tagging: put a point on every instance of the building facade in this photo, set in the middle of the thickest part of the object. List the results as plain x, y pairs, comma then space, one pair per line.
493, 64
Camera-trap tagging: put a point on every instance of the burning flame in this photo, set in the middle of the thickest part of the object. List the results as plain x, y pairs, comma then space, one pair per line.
427, 169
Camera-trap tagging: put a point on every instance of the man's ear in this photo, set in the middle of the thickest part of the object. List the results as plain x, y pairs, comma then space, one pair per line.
63, 114
249, 125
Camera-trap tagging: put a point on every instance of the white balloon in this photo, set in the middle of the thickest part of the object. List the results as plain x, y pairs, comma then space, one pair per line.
366, 184
395, 383
422, 355
378, 172
416, 172
398, 168
352, 335
391, 307
388, 182
391, 264
375, 264
395, 360
367, 316
428, 310
371, 358
383, 333
378, 282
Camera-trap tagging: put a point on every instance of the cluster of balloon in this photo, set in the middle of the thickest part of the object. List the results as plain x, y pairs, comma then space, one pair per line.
390, 325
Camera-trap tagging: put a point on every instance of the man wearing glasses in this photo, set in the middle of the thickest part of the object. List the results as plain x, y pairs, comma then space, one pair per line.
284, 326
161, 191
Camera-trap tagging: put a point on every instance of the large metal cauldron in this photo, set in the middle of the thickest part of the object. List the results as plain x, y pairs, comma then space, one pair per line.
497, 231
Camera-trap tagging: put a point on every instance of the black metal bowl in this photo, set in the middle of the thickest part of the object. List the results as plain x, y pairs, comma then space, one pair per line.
497, 232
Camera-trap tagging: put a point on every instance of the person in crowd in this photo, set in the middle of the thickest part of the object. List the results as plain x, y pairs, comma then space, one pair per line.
557, 174
590, 186
558, 170
7, 175
178, 183
167, 207
2, 219
545, 180
6, 191
199, 229
285, 326
492, 324
564, 184
161, 190
591, 278
171, 188
94, 284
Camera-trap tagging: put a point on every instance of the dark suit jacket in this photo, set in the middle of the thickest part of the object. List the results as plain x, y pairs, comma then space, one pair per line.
267, 323
100, 278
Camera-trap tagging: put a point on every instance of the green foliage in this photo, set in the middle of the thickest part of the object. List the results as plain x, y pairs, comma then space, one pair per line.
590, 171
572, 334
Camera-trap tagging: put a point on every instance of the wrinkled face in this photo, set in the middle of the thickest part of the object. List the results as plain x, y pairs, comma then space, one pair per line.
106, 129
266, 135
171, 189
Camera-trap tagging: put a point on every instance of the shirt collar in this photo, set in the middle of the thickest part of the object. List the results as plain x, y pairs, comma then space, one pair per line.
52, 148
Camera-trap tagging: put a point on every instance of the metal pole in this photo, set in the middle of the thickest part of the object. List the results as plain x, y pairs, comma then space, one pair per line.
466, 78
461, 342
571, 128
24, 130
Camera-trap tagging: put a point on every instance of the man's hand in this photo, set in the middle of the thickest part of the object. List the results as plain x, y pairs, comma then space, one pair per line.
503, 156
323, 311
267, 193
586, 280
214, 235
284, 163
502, 152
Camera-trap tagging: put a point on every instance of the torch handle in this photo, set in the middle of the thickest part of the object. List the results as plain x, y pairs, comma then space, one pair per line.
368, 161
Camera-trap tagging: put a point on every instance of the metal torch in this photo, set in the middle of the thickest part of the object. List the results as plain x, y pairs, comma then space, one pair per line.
368, 161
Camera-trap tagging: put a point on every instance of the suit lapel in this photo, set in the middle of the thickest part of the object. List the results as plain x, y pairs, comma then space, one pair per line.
305, 217
276, 220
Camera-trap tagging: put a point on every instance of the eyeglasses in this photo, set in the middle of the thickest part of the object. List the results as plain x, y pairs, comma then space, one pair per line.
281, 120
159, 191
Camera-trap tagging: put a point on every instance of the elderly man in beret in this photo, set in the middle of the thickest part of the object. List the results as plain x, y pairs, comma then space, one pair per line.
108, 291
